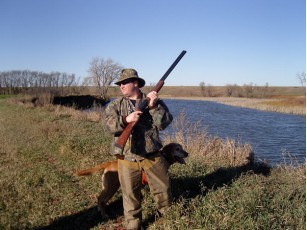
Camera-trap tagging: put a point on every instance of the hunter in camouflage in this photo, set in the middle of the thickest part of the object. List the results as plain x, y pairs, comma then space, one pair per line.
141, 150
145, 136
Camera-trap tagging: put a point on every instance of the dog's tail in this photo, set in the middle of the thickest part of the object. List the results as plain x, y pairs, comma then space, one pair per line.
93, 170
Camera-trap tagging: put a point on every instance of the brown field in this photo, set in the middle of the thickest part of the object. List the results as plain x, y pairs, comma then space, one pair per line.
290, 100
220, 91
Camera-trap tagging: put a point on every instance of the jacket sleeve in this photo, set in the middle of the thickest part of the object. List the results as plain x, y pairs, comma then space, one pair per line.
114, 121
161, 115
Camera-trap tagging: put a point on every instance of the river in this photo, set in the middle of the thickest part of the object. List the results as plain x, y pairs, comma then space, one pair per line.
273, 136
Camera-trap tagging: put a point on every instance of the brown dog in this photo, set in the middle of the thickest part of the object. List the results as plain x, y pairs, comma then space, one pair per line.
172, 152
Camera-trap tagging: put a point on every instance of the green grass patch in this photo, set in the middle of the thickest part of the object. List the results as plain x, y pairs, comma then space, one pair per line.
6, 96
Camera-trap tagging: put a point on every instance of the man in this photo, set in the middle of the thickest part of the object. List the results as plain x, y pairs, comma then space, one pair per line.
141, 150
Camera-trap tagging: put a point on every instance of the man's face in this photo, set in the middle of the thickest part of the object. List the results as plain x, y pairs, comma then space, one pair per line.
129, 88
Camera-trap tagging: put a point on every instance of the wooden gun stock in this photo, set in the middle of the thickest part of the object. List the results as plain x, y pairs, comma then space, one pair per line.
122, 139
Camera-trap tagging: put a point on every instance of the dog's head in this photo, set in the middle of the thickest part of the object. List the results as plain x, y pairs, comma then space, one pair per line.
173, 153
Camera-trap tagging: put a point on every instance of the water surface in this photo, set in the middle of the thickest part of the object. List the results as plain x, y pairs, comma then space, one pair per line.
272, 135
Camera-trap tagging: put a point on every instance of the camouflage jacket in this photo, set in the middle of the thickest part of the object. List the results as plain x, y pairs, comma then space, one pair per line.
144, 138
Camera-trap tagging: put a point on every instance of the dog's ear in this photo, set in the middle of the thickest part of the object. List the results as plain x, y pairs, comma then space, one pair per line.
170, 147
167, 152
165, 148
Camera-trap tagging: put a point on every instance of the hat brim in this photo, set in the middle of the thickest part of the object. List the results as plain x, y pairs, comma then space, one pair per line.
140, 80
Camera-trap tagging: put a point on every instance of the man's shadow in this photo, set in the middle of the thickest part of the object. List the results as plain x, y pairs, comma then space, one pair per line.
183, 187
85, 219
190, 187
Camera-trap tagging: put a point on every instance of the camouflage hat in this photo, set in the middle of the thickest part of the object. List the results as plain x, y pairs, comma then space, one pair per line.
130, 74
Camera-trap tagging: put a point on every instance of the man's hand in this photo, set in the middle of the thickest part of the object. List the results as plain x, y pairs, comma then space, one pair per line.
135, 116
153, 96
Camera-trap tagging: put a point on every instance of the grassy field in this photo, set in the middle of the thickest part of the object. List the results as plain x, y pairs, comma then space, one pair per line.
220, 187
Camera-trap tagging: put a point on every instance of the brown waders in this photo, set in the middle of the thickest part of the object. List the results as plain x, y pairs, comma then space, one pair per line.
130, 176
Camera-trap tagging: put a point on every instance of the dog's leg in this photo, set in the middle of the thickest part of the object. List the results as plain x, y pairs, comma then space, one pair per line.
110, 185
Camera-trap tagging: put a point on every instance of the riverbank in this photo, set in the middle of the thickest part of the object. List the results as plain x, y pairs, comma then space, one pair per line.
289, 105
221, 181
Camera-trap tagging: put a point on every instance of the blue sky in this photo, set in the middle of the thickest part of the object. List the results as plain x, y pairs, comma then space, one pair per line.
227, 42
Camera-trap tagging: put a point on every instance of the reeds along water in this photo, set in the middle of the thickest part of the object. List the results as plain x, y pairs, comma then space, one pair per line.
211, 150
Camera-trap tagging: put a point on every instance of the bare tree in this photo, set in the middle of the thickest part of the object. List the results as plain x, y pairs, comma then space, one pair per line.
103, 73
202, 88
206, 90
229, 90
249, 90
209, 90
302, 78
265, 91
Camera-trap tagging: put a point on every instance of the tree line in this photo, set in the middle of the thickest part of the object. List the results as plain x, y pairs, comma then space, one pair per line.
102, 73
247, 90
233, 90
26, 81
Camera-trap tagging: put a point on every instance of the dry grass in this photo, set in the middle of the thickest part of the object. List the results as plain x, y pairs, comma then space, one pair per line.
45, 101
93, 115
213, 151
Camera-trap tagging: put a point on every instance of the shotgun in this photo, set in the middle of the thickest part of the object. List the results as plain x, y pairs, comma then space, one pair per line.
122, 139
